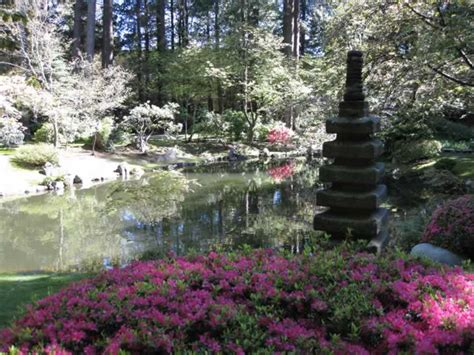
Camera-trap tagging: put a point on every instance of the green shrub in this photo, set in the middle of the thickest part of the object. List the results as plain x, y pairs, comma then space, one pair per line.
236, 124
451, 130
50, 179
445, 164
411, 151
44, 134
35, 156
452, 226
104, 133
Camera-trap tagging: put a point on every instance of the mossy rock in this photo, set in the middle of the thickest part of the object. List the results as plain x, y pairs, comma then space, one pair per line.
412, 151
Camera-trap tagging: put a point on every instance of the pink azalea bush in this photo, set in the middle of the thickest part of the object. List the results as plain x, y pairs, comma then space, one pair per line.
452, 226
282, 172
279, 135
331, 302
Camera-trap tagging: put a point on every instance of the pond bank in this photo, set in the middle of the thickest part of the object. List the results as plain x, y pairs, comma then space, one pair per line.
87, 170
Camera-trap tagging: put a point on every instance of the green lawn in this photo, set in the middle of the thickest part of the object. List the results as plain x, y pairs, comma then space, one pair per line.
463, 168
6, 151
16, 291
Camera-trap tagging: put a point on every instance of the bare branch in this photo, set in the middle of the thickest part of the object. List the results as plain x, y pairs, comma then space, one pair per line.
426, 19
450, 77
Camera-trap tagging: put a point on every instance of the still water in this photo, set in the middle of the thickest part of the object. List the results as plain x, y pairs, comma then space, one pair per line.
222, 206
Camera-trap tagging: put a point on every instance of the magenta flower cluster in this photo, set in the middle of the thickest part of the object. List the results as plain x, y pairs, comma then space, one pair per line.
452, 226
331, 302
280, 135
282, 172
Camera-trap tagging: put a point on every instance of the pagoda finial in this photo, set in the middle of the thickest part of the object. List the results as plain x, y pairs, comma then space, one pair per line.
354, 88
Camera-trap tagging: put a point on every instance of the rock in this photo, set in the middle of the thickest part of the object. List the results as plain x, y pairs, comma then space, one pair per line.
47, 169
123, 169
58, 185
234, 156
2, 194
69, 180
77, 180
171, 154
265, 152
137, 171
40, 188
437, 254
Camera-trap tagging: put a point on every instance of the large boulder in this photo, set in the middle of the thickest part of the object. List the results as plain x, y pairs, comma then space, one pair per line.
49, 169
437, 254
123, 169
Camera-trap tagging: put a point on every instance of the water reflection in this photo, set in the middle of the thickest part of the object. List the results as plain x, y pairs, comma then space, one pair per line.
228, 205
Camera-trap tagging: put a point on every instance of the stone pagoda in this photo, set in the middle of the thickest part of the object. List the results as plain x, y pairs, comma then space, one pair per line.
355, 193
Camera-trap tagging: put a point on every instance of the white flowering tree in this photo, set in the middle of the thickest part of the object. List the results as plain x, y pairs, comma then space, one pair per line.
73, 97
11, 129
146, 120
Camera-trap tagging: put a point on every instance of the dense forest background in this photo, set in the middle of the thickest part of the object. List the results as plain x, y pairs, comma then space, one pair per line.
230, 69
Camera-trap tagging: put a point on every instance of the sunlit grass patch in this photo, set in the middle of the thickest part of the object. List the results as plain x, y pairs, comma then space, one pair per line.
18, 290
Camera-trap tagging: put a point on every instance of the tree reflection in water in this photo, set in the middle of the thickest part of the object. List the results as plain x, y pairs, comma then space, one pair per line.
221, 206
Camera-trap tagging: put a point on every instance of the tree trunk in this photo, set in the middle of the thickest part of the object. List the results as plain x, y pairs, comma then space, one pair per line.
108, 42
288, 23
138, 33
304, 10
147, 28
296, 29
55, 132
161, 25
172, 23
217, 28
186, 23
217, 39
90, 33
77, 29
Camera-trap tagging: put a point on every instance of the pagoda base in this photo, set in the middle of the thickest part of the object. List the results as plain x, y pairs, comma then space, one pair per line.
359, 225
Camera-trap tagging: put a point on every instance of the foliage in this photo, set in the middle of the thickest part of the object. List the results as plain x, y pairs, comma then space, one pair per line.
146, 119
44, 134
72, 96
452, 131
11, 130
445, 164
35, 155
236, 124
332, 301
103, 134
150, 199
452, 226
418, 61
412, 151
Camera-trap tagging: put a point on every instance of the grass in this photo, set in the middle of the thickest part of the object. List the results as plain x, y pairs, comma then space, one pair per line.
7, 151
463, 168
16, 291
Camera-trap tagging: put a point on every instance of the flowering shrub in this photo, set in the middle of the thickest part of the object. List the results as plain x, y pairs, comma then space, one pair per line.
452, 226
334, 301
282, 172
280, 135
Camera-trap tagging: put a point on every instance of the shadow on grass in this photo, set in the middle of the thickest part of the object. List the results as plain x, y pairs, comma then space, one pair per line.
19, 290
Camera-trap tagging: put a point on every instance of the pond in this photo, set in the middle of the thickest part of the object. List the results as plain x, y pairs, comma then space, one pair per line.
222, 206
